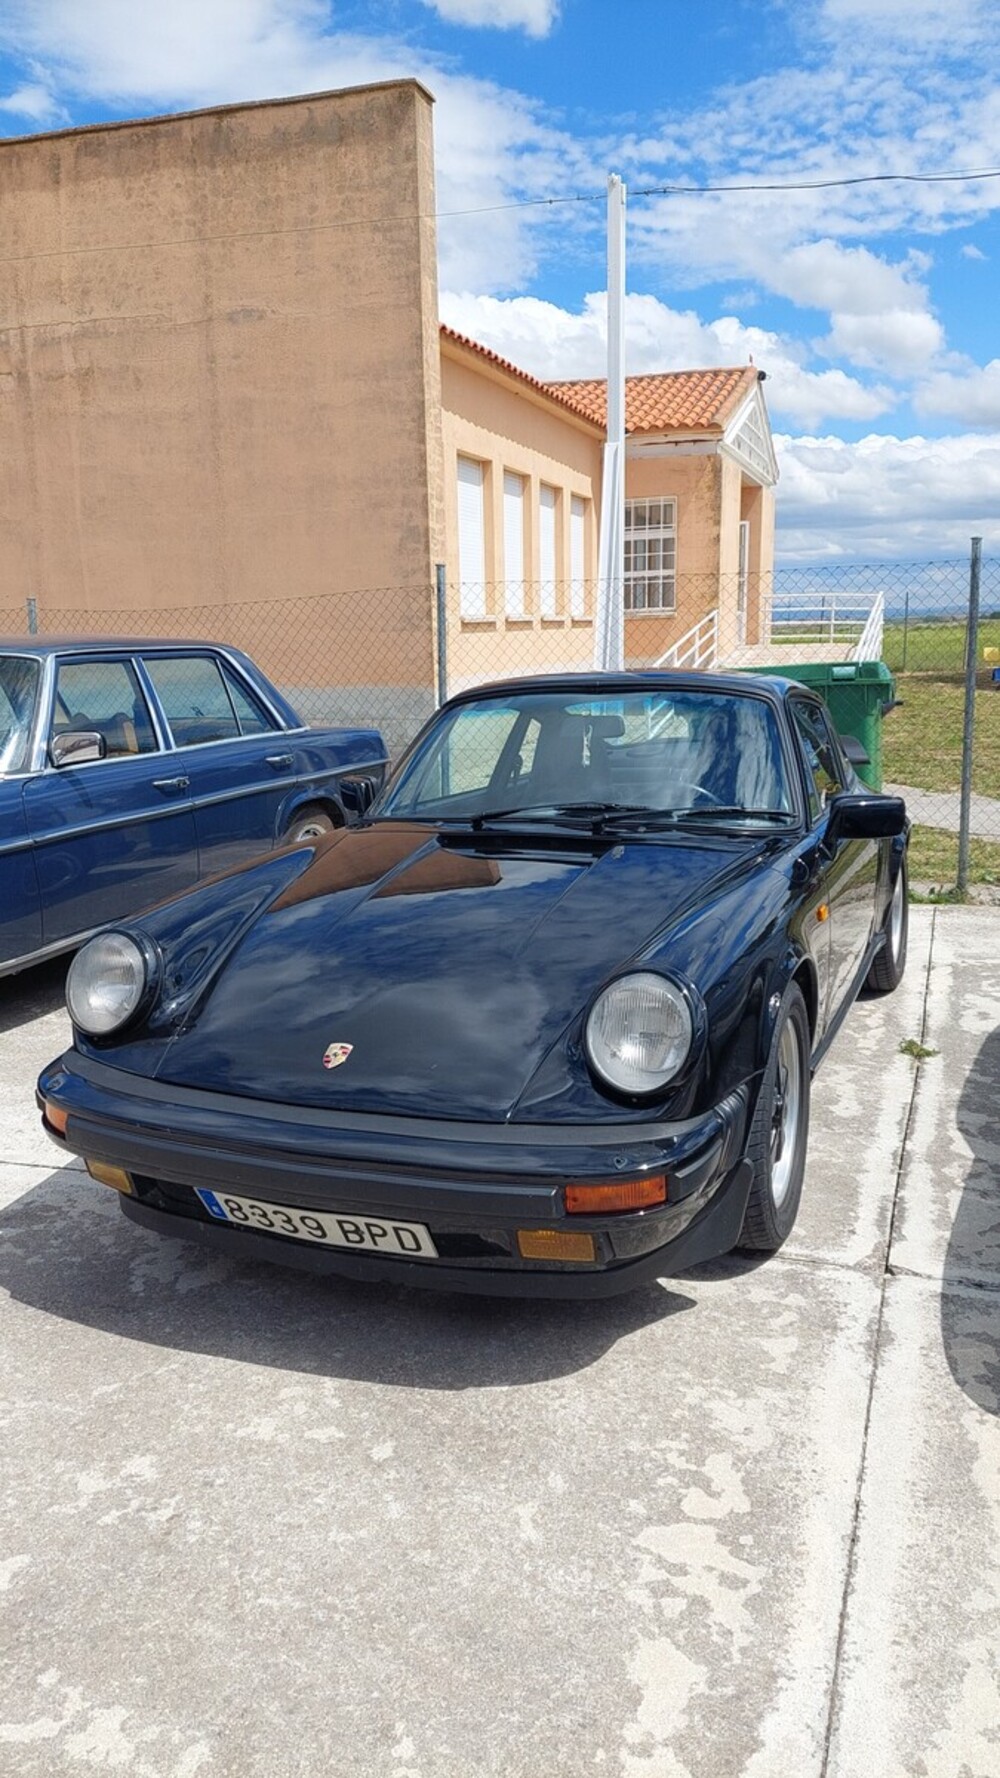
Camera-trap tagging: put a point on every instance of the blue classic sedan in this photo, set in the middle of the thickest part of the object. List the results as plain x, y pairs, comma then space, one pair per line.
131, 770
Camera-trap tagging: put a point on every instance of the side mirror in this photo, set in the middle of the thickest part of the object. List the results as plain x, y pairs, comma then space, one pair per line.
77, 748
357, 796
859, 817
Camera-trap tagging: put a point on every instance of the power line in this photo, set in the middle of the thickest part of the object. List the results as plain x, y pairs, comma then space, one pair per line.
655, 191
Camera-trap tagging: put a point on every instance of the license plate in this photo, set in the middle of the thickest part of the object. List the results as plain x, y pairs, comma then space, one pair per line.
371, 1234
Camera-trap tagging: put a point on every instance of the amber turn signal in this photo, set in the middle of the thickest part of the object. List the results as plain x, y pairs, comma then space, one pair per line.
555, 1244
56, 1118
107, 1175
624, 1194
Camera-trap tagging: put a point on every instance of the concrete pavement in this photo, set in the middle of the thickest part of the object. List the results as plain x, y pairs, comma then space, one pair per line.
744, 1526
940, 808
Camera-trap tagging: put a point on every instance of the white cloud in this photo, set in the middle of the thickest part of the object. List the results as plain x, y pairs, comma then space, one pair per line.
972, 395
971, 251
34, 101
913, 23
901, 341
493, 145
534, 16
886, 497
555, 344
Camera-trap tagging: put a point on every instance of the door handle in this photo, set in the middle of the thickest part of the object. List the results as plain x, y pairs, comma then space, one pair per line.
282, 762
167, 785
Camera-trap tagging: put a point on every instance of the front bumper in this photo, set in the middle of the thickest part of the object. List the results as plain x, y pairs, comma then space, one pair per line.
473, 1185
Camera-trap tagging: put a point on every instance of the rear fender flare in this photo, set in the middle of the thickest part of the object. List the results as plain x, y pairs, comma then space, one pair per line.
319, 798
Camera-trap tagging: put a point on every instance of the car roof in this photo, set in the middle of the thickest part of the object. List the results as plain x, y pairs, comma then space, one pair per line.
770, 685
100, 644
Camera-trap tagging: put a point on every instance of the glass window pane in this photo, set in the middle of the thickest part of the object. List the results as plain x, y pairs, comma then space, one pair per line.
194, 698
251, 717
104, 698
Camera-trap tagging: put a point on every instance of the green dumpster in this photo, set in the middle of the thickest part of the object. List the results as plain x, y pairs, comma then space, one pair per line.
856, 694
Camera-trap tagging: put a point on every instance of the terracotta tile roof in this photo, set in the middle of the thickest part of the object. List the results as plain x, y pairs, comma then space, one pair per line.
558, 392
674, 401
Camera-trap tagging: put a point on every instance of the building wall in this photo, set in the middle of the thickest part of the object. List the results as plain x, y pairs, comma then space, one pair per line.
695, 482
219, 384
494, 421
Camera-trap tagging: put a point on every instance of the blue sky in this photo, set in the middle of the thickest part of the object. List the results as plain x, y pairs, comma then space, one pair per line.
874, 308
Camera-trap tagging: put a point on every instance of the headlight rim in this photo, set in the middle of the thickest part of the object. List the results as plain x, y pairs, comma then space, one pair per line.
699, 1034
152, 962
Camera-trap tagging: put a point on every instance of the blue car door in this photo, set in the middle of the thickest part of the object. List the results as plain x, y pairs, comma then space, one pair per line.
115, 834
20, 910
848, 877
238, 758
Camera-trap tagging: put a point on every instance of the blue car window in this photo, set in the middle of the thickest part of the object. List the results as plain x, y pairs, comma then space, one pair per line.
249, 714
194, 698
19, 680
105, 698
820, 754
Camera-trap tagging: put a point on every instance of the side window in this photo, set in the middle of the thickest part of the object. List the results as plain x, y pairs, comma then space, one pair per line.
106, 698
249, 713
821, 752
193, 694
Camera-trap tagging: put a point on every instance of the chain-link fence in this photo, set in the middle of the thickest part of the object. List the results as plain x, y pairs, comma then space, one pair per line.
386, 656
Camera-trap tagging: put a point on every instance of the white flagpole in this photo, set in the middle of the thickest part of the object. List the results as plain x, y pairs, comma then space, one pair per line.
609, 633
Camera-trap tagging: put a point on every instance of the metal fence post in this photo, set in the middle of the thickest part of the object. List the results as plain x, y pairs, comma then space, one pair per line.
441, 626
906, 626
32, 606
971, 651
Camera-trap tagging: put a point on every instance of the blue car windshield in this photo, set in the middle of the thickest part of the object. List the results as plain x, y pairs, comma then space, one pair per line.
680, 753
19, 681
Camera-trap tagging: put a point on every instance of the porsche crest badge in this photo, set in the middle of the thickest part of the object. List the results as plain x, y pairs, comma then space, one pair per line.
335, 1053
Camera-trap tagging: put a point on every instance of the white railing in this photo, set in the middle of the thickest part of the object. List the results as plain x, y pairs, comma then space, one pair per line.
851, 619
869, 647
698, 649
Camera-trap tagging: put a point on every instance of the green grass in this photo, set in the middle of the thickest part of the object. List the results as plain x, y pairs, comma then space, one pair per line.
935, 647
934, 858
922, 738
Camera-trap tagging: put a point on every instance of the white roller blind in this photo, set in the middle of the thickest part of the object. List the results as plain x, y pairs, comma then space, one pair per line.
577, 557
471, 539
513, 544
547, 550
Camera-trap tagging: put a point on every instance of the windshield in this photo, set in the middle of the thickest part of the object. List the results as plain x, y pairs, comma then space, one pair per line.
19, 679
665, 753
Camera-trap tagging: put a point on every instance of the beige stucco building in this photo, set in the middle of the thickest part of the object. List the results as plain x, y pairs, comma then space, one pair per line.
227, 408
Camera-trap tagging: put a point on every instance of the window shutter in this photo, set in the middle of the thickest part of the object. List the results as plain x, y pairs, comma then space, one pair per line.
577, 557
547, 550
471, 539
513, 544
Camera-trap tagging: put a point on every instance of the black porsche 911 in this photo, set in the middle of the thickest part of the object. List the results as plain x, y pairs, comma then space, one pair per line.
542, 1021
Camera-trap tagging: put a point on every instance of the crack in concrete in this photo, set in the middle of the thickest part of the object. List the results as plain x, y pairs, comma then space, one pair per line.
887, 1273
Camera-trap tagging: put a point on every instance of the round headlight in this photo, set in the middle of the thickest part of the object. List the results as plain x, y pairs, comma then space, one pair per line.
107, 980
639, 1033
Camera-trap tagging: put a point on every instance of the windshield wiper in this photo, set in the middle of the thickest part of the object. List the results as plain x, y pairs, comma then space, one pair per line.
733, 812
573, 814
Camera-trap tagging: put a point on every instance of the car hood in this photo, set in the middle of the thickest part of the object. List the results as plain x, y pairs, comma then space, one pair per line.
446, 968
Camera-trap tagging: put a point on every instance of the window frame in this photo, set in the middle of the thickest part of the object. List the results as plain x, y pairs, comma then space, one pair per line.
661, 532
101, 658
480, 611
817, 802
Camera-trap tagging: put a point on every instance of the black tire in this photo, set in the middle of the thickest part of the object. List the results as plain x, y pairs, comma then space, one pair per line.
310, 823
889, 966
777, 1151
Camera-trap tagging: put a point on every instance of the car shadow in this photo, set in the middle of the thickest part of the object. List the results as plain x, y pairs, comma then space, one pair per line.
970, 1318
32, 993
66, 1250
